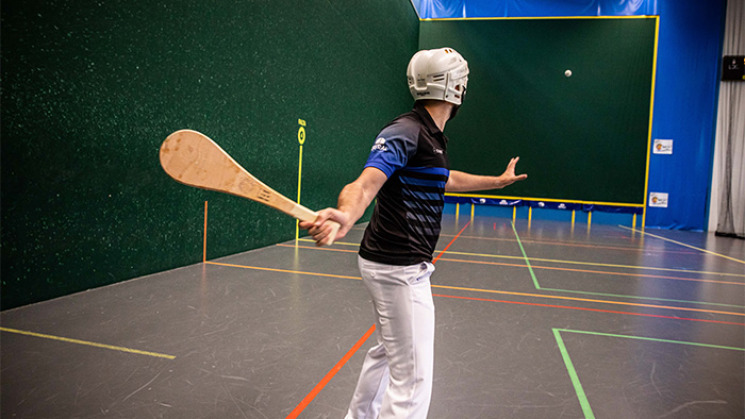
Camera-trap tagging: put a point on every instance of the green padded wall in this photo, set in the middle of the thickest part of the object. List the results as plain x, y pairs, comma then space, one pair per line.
579, 138
91, 89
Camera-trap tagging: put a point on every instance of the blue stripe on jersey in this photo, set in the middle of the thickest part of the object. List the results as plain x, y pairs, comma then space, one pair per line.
384, 167
429, 196
429, 170
423, 182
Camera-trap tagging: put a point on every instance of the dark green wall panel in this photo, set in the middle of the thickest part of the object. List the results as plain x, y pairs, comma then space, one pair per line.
90, 90
580, 138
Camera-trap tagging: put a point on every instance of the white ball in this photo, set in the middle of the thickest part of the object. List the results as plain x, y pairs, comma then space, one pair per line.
568, 73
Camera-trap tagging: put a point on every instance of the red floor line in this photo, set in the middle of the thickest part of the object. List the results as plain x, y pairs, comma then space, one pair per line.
327, 378
641, 276
451, 242
321, 384
481, 290
517, 265
587, 309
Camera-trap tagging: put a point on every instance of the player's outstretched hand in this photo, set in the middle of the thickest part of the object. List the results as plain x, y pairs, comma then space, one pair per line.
509, 177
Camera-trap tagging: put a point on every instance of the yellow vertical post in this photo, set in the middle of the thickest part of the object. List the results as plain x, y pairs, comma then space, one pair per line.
514, 213
651, 118
574, 213
300, 140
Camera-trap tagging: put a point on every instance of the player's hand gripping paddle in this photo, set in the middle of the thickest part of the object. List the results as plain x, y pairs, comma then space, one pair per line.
194, 159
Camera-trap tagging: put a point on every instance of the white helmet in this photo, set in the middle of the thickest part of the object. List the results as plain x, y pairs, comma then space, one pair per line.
440, 74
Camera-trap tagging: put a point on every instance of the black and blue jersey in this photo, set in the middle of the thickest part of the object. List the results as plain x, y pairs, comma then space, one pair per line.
405, 224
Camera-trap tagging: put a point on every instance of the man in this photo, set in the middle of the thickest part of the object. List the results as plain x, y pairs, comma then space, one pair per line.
409, 173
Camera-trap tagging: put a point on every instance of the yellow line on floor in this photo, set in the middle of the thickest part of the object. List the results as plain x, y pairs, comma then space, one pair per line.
86, 343
522, 294
570, 262
283, 270
684, 245
522, 265
611, 273
605, 265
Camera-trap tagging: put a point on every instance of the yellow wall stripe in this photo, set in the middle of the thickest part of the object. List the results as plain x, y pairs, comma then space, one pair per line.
568, 201
651, 114
283, 270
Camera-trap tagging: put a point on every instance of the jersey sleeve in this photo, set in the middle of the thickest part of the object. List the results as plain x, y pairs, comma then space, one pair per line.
393, 147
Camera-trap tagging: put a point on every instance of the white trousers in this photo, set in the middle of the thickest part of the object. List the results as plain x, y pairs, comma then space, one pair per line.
396, 377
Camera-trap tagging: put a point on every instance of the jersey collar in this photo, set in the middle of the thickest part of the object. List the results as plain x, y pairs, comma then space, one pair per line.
426, 118
420, 110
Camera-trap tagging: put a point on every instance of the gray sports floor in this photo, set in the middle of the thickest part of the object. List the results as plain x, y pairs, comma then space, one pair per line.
546, 322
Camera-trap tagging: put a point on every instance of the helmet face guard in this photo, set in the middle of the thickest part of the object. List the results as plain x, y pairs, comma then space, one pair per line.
440, 74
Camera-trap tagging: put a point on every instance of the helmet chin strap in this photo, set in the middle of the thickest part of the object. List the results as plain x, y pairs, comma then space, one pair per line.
454, 111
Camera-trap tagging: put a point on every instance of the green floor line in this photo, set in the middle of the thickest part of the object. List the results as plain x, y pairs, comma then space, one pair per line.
525, 256
583, 402
538, 286
581, 396
679, 342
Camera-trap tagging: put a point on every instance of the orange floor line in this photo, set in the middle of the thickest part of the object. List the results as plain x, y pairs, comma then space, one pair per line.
518, 265
325, 380
522, 294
